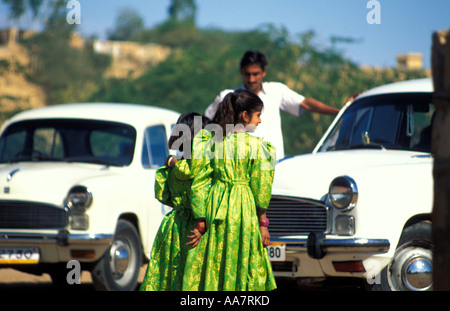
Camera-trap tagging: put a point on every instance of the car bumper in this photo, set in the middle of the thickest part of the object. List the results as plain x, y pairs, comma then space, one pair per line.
319, 256
60, 246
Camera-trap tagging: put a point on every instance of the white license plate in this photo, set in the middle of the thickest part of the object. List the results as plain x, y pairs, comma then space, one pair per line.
19, 255
277, 251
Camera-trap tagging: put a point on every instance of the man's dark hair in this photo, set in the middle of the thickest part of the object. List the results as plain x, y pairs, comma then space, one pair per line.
254, 57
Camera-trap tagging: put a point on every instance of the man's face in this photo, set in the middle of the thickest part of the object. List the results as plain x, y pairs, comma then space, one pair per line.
253, 76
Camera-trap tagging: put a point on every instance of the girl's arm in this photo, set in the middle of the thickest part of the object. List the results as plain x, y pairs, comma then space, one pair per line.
263, 227
201, 170
261, 179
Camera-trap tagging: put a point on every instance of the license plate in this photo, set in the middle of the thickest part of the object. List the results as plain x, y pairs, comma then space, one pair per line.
277, 251
19, 255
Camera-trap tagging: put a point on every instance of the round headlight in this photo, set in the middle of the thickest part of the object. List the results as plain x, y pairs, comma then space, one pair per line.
79, 198
343, 193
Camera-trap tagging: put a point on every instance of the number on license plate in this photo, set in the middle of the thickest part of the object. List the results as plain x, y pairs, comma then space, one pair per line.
17, 255
277, 251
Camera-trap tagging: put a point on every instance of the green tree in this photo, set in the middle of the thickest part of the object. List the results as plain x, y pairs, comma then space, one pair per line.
18, 7
182, 10
67, 74
204, 62
128, 24
173, 33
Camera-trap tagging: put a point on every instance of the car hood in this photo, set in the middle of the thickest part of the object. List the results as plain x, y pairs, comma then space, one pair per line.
44, 181
310, 175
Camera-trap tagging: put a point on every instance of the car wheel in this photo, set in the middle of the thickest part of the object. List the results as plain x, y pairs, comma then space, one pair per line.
118, 270
411, 267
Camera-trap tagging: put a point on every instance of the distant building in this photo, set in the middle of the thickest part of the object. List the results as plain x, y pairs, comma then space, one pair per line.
410, 61
131, 57
121, 50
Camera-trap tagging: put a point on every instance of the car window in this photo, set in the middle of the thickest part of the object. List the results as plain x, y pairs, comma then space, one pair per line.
395, 121
70, 140
154, 151
112, 146
48, 141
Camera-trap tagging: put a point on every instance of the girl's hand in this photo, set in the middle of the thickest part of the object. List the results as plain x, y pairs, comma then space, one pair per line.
197, 233
195, 238
263, 222
170, 161
265, 235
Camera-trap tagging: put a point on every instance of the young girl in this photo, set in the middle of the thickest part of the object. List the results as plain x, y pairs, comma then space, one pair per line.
230, 194
173, 188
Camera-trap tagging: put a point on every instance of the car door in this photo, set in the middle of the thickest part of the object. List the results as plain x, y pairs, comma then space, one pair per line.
154, 154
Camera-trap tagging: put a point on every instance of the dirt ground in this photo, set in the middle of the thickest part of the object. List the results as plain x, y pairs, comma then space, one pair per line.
16, 281
12, 280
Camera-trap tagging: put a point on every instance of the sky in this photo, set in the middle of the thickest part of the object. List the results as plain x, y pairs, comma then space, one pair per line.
396, 26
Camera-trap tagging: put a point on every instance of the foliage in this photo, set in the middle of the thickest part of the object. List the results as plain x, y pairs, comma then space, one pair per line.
205, 61
128, 24
172, 33
66, 73
18, 7
202, 63
182, 10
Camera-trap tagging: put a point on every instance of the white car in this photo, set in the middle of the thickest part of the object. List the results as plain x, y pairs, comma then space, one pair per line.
77, 183
359, 206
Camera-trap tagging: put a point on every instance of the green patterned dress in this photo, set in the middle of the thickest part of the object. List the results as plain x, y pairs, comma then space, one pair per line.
169, 252
232, 180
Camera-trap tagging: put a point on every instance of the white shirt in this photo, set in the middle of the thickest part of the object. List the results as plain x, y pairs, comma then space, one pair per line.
275, 96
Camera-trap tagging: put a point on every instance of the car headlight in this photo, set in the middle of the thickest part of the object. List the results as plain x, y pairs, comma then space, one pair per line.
78, 201
343, 193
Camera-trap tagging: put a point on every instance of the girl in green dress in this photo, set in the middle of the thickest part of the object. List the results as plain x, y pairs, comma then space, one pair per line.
230, 195
173, 188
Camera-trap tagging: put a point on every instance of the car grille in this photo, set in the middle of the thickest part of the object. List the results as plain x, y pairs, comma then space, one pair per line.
29, 215
294, 216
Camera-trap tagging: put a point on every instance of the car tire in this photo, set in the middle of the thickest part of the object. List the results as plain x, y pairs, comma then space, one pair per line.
411, 266
118, 269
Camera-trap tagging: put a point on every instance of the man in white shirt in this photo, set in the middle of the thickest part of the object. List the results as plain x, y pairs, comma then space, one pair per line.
275, 96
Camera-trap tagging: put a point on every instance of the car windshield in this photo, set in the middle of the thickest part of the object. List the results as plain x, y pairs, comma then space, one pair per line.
394, 121
90, 141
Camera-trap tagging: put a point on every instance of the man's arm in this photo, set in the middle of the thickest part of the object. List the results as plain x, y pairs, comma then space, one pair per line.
211, 109
313, 105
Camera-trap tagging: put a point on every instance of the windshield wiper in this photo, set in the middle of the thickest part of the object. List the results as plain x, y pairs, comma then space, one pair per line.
370, 145
367, 142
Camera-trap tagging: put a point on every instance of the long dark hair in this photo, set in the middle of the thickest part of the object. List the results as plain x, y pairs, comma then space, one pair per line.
188, 119
234, 103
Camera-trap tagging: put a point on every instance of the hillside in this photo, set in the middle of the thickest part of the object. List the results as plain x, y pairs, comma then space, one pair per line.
16, 91
184, 76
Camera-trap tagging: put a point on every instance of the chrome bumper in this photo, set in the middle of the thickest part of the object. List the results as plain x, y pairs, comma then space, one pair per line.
59, 246
61, 238
317, 245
